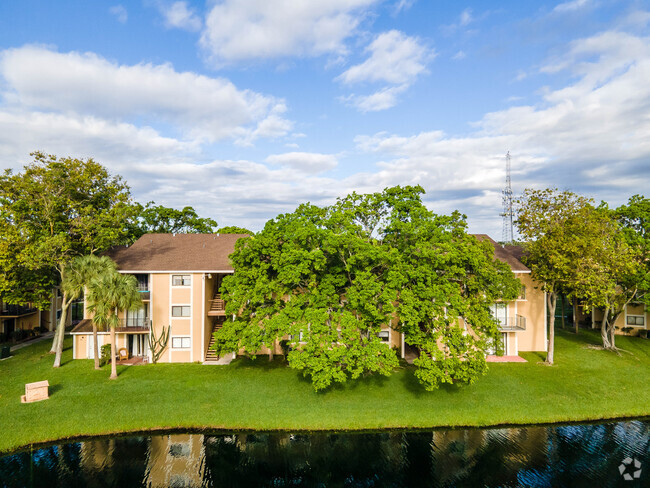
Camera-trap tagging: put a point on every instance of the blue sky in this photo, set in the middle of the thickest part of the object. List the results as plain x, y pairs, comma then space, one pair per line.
244, 109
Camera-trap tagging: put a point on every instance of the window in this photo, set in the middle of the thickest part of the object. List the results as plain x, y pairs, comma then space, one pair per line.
500, 312
181, 280
522, 293
180, 311
180, 342
384, 335
298, 336
636, 320
143, 282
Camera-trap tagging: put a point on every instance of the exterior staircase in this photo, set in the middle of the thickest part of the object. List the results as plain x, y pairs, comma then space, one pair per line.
211, 356
217, 306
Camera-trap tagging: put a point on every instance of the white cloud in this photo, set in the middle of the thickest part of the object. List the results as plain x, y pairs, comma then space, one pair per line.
304, 161
382, 99
120, 13
196, 106
465, 17
401, 5
178, 15
394, 58
571, 6
264, 29
459, 55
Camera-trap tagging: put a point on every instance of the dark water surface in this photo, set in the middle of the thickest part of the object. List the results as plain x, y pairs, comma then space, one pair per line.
586, 455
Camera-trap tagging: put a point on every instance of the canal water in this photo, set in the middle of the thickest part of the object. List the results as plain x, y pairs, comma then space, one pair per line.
585, 455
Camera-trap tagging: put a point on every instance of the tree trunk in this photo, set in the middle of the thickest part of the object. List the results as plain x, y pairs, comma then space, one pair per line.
56, 326
612, 331
271, 348
575, 314
603, 330
552, 301
561, 309
65, 304
113, 352
95, 345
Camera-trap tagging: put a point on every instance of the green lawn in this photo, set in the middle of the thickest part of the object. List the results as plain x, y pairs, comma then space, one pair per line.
585, 384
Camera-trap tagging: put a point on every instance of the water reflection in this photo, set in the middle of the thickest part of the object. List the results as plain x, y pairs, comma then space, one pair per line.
571, 456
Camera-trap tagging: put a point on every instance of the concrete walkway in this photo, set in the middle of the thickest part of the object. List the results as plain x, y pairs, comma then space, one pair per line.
44, 337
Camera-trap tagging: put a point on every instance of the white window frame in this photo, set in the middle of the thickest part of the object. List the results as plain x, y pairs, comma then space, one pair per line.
183, 340
384, 336
185, 280
182, 307
635, 317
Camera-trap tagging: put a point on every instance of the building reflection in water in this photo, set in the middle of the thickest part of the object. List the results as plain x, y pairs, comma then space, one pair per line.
578, 455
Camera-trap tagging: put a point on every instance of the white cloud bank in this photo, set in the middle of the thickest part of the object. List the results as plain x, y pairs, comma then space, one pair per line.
196, 106
590, 136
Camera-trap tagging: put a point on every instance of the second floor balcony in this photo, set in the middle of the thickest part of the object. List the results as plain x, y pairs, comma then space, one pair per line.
134, 324
9, 311
512, 324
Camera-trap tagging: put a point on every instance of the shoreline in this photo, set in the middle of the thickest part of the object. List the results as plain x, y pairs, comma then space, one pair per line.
586, 385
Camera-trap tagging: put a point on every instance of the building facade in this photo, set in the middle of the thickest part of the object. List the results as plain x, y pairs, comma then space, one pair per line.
180, 275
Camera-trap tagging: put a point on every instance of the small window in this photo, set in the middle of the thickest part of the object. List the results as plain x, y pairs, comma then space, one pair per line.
636, 320
180, 342
298, 337
522, 292
181, 311
181, 280
384, 335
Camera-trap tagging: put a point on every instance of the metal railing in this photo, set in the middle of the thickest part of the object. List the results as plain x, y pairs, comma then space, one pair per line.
17, 310
518, 322
142, 323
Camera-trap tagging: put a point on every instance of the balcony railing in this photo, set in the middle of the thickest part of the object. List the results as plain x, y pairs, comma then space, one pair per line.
516, 323
16, 310
134, 324
145, 294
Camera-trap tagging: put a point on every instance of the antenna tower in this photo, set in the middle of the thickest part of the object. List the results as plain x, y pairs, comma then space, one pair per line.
507, 234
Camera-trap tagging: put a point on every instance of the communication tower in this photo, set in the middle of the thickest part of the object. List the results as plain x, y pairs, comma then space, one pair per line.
507, 235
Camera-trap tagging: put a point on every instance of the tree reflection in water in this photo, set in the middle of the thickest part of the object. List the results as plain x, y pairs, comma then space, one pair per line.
571, 456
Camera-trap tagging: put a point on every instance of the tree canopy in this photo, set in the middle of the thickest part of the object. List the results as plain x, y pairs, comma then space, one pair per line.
232, 229
328, 280
153, 218
53, 210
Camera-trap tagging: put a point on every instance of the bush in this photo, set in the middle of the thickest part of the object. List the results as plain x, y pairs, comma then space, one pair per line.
105, 357
20, 334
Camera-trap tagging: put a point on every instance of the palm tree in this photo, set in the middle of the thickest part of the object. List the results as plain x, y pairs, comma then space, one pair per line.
106, 295
78, 274
75, 275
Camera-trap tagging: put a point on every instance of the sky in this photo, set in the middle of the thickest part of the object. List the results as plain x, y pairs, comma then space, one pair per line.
244, 109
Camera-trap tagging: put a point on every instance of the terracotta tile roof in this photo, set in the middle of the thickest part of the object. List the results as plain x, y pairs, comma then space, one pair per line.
177, 252
509, 254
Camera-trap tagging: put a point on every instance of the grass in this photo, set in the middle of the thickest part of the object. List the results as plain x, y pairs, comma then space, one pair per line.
585, 384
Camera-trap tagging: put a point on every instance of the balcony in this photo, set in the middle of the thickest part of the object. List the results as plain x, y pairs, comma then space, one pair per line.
13, 311
134, 324
512, 324
145, 295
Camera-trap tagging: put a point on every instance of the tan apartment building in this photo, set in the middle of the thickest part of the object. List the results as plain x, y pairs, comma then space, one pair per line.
180, 275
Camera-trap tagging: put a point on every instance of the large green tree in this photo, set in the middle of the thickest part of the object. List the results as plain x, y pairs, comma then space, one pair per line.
53, 210
554, 240
329, 279
108, 294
